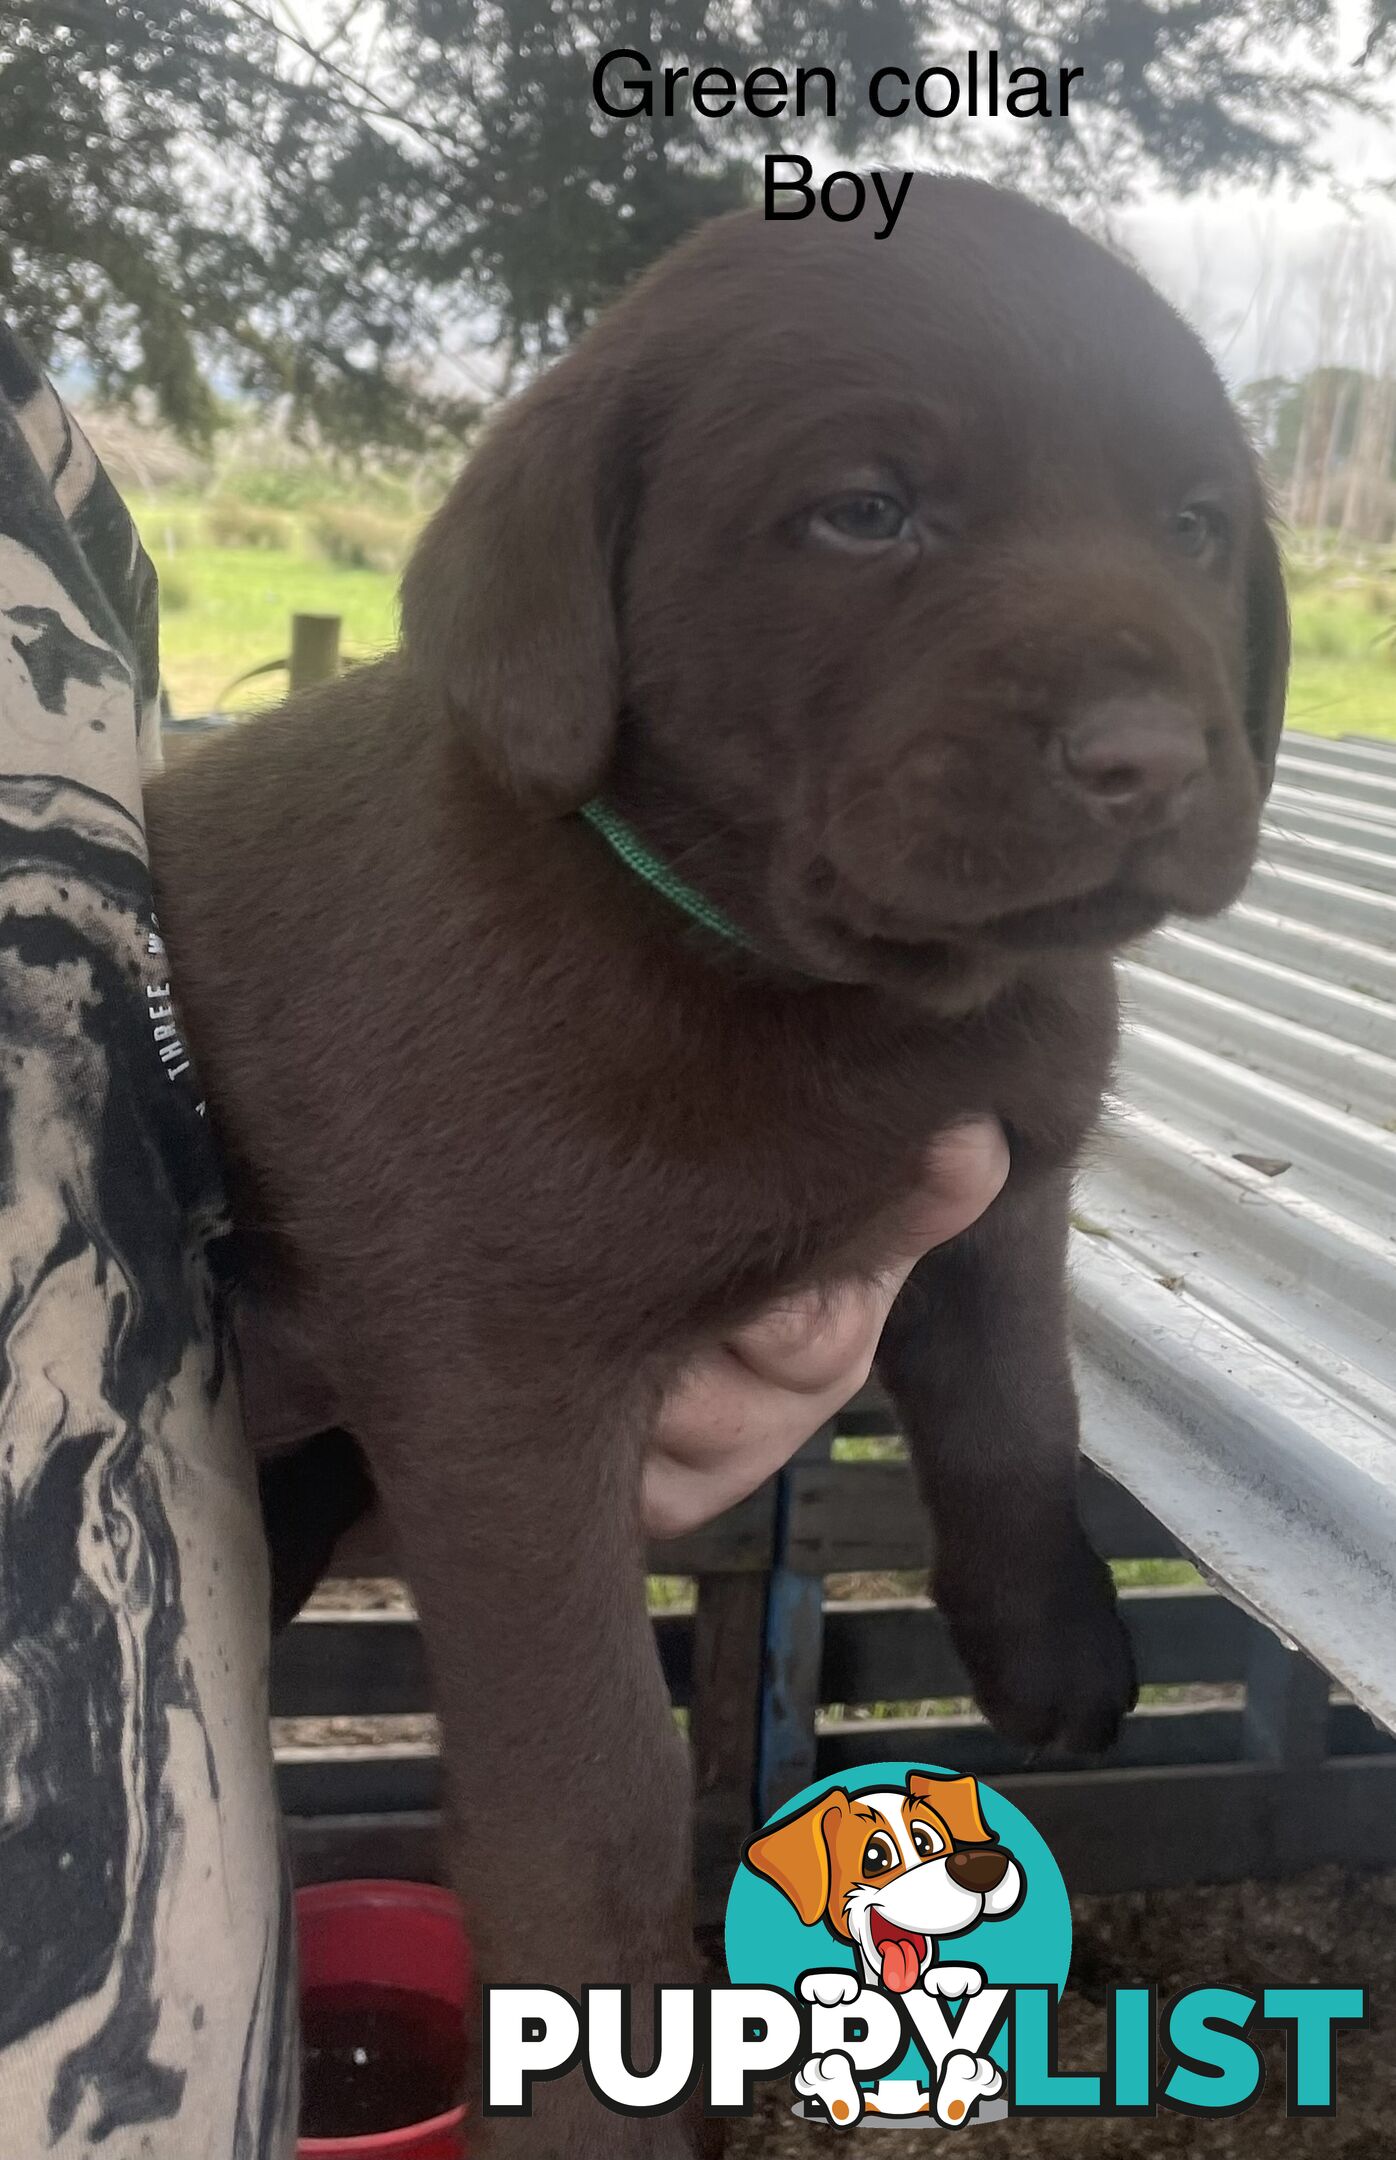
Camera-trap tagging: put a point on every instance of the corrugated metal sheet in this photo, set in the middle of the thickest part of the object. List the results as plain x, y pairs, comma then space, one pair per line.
1235, 1260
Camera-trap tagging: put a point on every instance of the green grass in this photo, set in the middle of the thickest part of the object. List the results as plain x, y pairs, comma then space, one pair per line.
240, 616
1343, 679
1343, 697
226, 609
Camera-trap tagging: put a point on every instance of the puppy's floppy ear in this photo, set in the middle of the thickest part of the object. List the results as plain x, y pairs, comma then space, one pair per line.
795, 1855
1267, 646
956, 1801
507, 603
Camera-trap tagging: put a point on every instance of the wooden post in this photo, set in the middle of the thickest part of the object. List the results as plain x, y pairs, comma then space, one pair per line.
794, 1655
314, 649
1287, 1716
725, 1729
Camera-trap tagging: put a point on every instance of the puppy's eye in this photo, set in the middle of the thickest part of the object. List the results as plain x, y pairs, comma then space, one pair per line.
927, 1844
878, 1855
1200, 529
867, 519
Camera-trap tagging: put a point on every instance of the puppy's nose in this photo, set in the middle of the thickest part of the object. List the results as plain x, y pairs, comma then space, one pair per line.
1133, 759
978, 1867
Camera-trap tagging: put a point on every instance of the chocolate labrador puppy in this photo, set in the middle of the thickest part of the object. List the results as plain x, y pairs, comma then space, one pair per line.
909, 610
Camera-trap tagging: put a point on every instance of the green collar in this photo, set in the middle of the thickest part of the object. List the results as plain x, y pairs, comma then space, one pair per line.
631, 850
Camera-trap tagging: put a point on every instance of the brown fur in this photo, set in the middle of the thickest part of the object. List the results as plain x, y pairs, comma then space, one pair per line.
508, 1138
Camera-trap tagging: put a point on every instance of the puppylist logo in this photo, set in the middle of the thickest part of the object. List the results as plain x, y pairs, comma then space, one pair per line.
897, 1944
922, 1924
902, 1893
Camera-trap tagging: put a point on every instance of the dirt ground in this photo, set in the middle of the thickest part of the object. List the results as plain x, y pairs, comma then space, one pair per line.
1327, 1929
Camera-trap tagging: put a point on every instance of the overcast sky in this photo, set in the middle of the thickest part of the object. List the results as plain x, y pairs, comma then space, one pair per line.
1257, 277
1278, 281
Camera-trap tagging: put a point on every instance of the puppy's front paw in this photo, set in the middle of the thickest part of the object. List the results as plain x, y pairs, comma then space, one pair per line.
965, 2079
1053, 1670
952, 1982
830, 2080
830, 1989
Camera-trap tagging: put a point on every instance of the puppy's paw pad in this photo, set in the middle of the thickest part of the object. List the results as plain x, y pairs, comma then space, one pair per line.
830, 2080
830, 1989
953, 1981
966, 2079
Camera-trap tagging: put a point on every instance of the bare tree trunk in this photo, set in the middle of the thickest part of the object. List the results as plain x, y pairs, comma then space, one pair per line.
1316, 437
1294, 503
1328, 471
1369, 466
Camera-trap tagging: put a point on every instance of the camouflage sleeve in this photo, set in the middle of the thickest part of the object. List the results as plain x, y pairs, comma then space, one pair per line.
147, 1977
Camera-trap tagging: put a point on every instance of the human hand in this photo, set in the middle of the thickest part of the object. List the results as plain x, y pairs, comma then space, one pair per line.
746, 1406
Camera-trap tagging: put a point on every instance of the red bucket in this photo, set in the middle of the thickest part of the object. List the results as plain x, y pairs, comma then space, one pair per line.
368, 1949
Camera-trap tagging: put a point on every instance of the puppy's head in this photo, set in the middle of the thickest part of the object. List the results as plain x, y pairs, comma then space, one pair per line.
892, 1872
915, 597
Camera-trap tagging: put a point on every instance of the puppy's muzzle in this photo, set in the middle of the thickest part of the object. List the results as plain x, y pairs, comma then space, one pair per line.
980, 1868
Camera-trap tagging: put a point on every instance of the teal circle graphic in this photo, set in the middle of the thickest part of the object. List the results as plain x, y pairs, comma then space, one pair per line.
768, 1945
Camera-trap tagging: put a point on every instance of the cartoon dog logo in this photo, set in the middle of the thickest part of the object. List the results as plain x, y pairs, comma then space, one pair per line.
893, 1873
